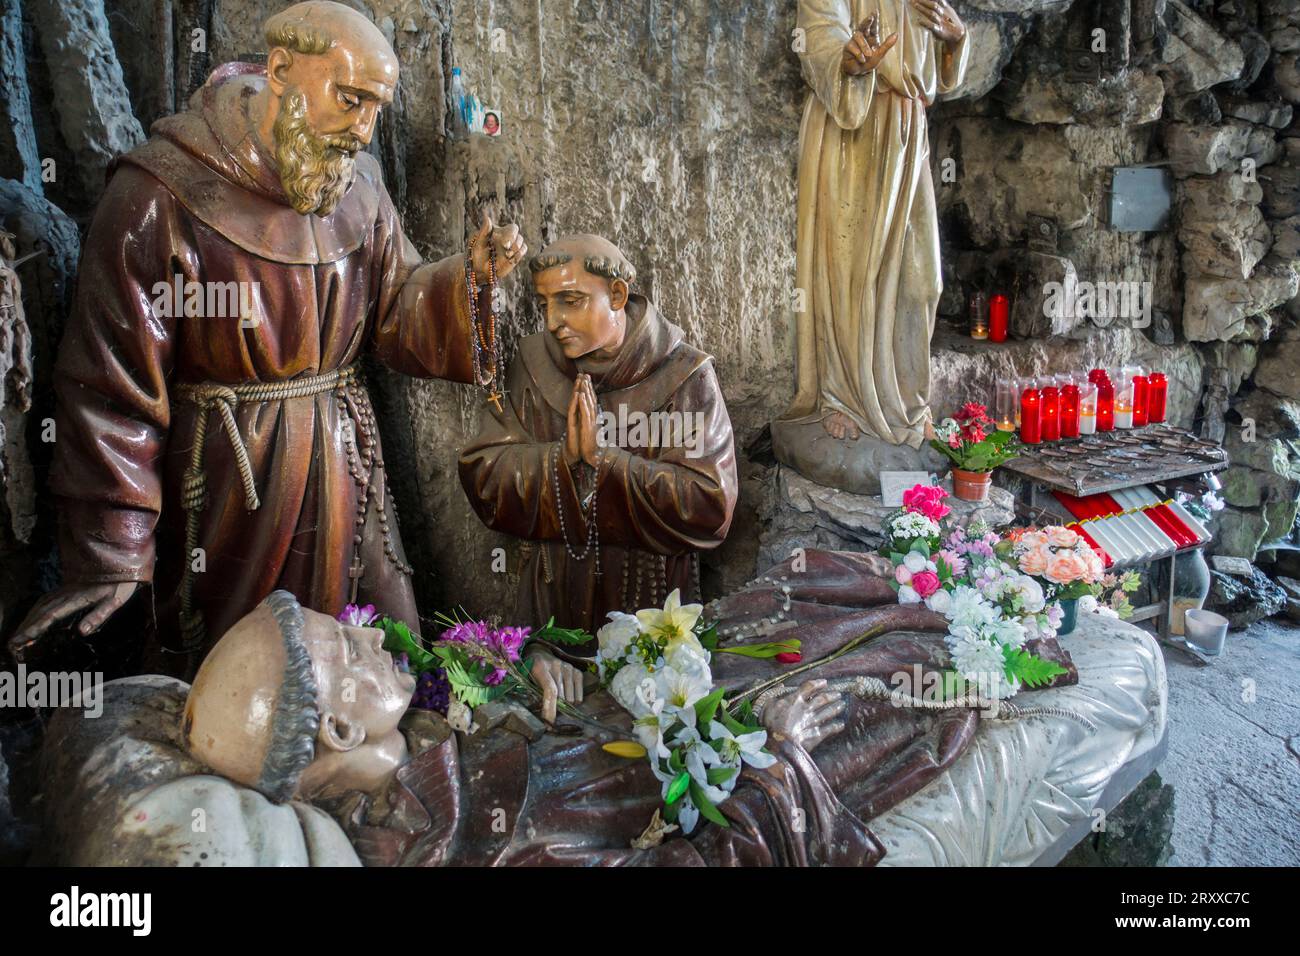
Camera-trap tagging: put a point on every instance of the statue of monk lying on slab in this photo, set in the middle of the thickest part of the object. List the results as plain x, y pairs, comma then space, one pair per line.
295, 746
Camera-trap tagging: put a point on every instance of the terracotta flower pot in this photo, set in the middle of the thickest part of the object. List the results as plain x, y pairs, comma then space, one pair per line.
971, 485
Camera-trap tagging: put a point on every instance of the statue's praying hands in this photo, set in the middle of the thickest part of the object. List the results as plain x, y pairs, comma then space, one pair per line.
580, 437
864, 51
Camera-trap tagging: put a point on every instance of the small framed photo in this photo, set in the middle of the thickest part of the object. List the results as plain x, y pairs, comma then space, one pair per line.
491, 121
894, 483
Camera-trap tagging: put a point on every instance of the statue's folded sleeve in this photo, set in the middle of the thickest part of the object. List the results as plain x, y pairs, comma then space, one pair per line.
421, 319
111, 379
826, 27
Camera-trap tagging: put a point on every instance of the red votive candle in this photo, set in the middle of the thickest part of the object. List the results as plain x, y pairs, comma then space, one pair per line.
1157, 397
999, 306
1030, 416
1050, 412
1105, 404
1069, 410
1141, 394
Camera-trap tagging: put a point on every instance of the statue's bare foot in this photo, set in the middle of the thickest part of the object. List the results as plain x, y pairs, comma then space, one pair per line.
840, 426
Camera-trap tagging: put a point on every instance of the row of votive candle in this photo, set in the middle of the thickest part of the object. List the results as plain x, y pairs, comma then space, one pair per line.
1066, 406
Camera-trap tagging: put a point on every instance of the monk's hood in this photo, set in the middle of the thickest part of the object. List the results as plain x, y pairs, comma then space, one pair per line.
652, 364
209, 158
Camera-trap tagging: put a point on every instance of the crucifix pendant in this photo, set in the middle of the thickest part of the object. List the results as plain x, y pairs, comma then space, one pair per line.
355, 573
495, 399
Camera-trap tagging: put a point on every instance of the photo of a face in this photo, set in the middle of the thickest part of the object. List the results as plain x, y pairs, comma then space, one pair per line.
491, 123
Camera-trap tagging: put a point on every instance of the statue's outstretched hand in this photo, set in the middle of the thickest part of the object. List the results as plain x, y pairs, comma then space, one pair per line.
100, 601
506, 240
807, 716
557, 680
940, 18
864, 51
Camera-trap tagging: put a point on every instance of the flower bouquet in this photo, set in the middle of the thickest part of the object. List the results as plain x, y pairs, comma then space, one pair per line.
1069, 570
992, 608
975, 447
657, 665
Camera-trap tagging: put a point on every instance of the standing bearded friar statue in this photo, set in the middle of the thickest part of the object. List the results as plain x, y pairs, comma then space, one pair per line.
215, 455
868, 240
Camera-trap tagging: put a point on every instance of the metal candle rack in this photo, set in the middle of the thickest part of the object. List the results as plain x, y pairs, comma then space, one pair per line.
1111, 461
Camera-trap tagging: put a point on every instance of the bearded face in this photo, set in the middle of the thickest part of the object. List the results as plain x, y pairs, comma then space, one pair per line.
316, 171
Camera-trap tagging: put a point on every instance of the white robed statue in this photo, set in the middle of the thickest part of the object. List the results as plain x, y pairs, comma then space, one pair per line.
868, 242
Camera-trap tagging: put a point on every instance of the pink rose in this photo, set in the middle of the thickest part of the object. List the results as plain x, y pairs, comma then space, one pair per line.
902, 575
1062, 537
1066, 567
925, 583
1035, 560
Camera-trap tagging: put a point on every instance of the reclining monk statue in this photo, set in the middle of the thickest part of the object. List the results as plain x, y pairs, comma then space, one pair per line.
295, 746
613, 456
215, 438
294, 713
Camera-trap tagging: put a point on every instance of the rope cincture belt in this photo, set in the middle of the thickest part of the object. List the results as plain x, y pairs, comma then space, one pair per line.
194, 487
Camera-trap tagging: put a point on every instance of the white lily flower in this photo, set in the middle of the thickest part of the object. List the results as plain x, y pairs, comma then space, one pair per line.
680, 691
674, 623
745, 747
698, 756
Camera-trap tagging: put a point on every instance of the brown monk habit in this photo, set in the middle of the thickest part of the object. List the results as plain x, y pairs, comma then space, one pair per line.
200, 201
656, 506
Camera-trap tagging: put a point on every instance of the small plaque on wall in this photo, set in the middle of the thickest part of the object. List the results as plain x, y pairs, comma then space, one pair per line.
894, 483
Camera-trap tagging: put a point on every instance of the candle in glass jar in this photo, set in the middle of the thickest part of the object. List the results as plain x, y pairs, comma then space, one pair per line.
1030, 421
1141, 398
1070, 410
1124, 405
999, 306
1157, 395
1088, 409
979, 316
1049, 410
1004, 400
1105, 404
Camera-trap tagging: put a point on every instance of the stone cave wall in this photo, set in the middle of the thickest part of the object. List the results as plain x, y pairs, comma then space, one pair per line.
672, 128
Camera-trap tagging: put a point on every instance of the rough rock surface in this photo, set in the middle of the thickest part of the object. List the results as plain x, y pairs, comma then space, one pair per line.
91, 97
1243, 601
806, 515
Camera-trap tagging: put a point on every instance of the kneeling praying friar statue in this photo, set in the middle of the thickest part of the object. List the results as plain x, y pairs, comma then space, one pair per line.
613, 456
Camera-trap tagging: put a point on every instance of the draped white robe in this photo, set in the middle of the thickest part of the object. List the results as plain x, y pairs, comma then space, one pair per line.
868, 240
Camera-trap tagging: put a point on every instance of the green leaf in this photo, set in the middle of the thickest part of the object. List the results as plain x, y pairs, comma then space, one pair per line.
708, 637
398, 639
561, 635
671, 812
707, 809
719, 775
895, 557
675, 761
705, 707
735, 726
762, 651
1032, 671
681, 783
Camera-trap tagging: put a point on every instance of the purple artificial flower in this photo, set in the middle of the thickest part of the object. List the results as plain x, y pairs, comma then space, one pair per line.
468, 632
510, 641
359, 616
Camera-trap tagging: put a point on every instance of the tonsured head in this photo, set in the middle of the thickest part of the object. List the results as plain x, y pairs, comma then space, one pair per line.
287, 686
330, 72
582, 285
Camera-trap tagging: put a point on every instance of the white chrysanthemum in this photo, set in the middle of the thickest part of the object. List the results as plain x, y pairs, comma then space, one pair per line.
1008, 632
615, 636
1030, 592
980, 662
912, 524
969, 608
1087, 604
